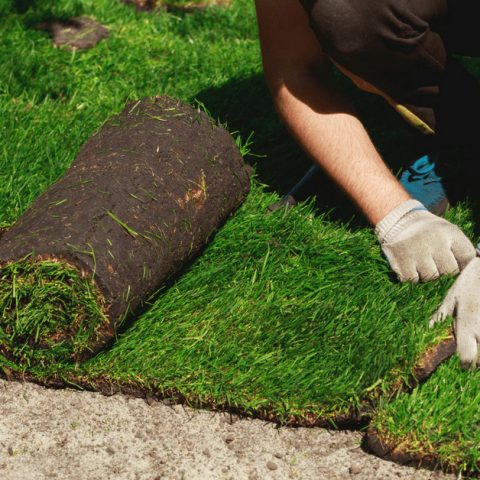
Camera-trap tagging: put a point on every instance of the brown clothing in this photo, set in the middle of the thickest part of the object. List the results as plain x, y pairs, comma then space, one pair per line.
403, 50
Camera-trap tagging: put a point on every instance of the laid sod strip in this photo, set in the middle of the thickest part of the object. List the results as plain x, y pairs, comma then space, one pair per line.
141, 199
436, 425
286, 316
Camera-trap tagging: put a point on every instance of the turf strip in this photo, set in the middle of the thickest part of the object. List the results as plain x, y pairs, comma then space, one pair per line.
274, 320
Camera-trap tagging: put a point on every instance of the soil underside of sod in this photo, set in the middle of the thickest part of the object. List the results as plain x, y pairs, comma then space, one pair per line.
75, 33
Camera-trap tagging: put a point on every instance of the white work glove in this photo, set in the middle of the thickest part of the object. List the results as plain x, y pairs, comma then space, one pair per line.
463, 303
421, 246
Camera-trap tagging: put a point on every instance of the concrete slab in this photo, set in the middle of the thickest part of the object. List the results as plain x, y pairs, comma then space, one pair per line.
73, 435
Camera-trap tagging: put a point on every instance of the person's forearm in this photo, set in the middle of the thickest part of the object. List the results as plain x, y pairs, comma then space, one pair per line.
418, 245
328, 130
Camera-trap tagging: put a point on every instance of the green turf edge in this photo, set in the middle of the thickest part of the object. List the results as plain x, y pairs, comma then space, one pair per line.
437, 434
403, 452
355, 417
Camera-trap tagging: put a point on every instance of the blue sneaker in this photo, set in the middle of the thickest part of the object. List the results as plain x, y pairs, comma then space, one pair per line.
424, 185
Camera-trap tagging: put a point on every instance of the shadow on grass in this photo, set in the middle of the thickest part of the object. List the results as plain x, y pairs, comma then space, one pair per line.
246, 106
21, 6
36, 11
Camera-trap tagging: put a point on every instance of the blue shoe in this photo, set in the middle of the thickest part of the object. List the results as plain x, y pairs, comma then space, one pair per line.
424, 185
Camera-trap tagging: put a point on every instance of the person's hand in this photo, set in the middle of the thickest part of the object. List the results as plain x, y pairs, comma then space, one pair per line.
463, 303
420, 246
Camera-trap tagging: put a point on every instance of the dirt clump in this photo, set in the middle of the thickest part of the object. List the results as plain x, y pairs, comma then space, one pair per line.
77, 33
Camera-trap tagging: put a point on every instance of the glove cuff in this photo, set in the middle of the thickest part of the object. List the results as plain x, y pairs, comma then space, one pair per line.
386, 227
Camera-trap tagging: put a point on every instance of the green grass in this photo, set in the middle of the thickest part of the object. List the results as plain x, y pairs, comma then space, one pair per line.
49, 313
288, 314
439, 420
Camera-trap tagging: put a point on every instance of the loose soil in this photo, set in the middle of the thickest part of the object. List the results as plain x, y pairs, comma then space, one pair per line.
77, 33
80, 435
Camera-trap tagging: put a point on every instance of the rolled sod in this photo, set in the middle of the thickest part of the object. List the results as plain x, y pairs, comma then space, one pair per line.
143, 196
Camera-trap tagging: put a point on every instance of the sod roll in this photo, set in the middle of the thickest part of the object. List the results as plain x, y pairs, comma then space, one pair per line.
141, 199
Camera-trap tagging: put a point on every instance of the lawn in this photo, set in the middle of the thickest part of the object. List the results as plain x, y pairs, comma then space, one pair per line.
290, 316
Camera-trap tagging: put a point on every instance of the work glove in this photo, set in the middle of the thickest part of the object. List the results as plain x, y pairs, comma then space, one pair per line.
421, 246
463, 303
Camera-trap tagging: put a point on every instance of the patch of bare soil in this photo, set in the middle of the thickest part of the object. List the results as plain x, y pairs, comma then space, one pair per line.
77, 33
